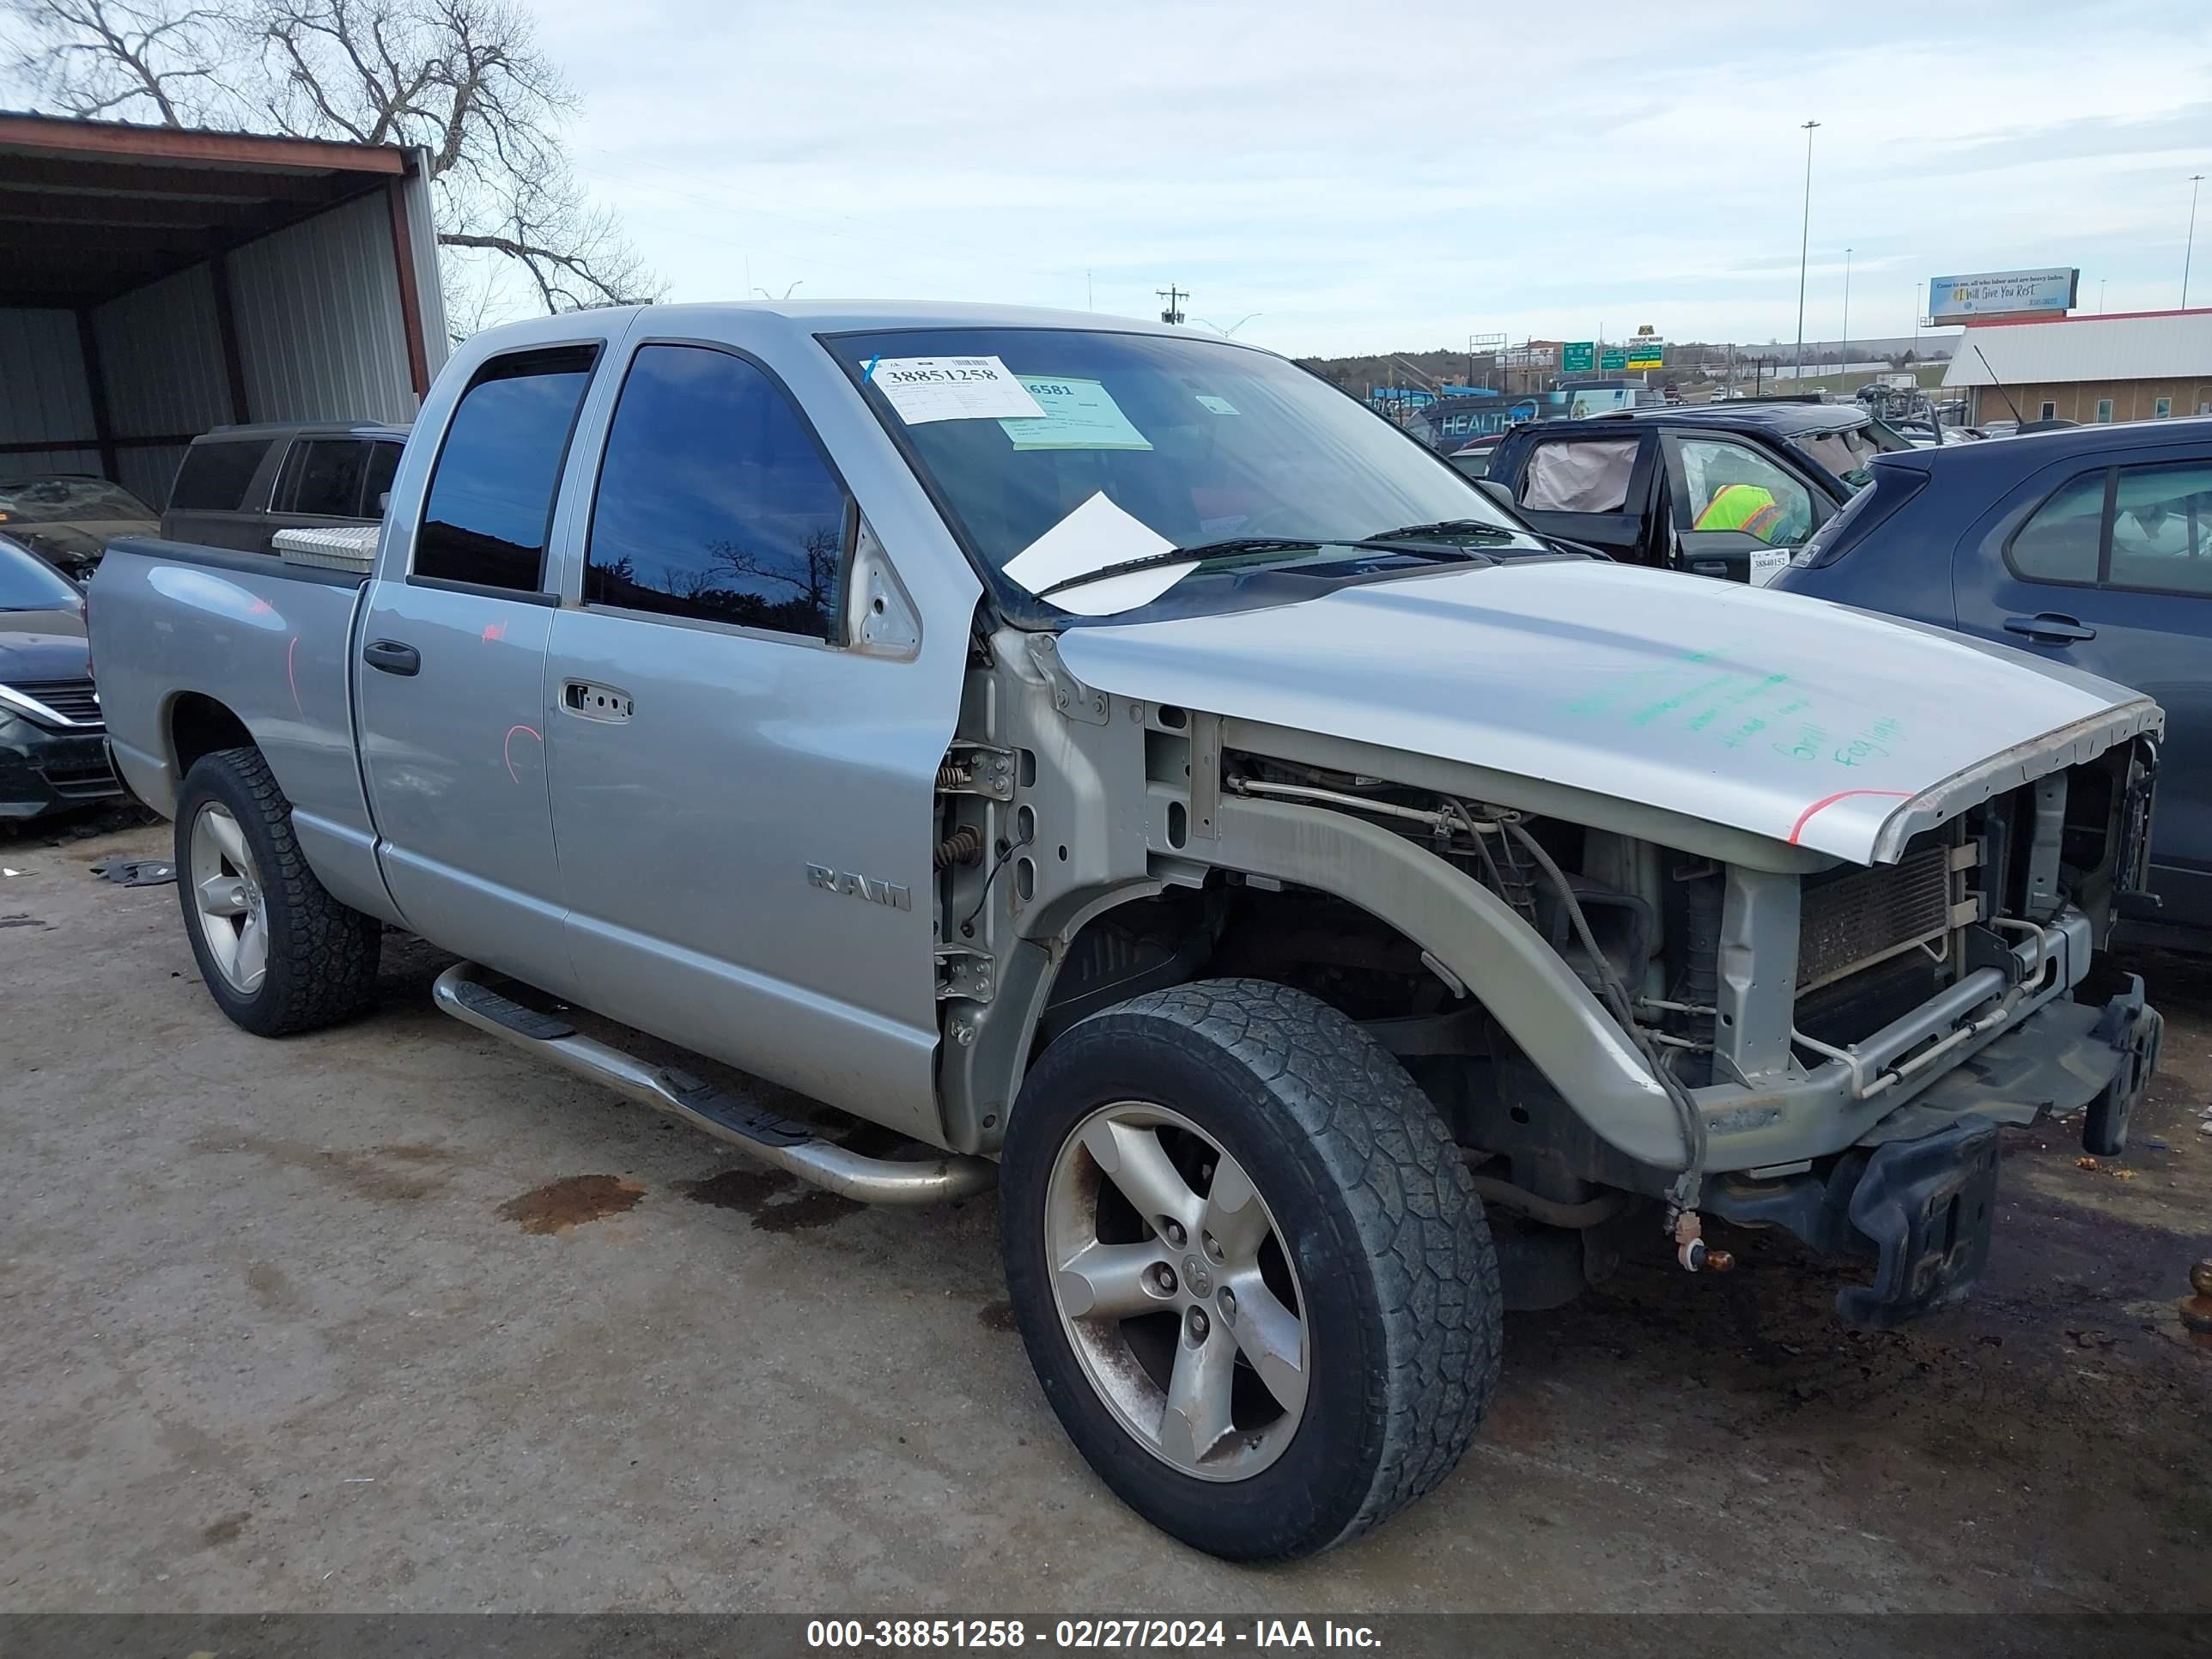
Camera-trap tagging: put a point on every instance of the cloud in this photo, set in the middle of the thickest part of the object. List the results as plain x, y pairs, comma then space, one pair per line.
1371, 177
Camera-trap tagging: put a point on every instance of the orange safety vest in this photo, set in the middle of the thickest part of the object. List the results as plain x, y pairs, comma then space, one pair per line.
1742, 506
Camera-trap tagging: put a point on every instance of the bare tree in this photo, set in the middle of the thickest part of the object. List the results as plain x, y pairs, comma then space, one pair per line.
462, 79
111, 58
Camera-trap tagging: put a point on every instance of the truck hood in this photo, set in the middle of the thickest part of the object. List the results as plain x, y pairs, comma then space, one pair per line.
1812, 723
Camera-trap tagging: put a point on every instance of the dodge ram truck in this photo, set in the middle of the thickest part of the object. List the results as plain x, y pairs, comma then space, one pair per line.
1329, 911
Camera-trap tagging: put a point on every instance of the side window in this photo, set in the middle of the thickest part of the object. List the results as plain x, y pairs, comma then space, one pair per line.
214, 477
1732, 487
490, 505
2162, 528
2060, 541
322, 476
383, 466
715, 500
1579, 475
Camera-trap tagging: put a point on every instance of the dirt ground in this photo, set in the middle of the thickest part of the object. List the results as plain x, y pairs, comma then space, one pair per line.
385, 1318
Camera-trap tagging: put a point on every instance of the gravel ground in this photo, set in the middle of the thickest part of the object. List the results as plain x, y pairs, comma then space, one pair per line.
384, 1318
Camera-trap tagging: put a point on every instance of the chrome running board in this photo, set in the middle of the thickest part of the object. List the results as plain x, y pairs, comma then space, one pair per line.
784, 1142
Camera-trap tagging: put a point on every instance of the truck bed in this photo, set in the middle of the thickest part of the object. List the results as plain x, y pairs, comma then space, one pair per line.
186, 630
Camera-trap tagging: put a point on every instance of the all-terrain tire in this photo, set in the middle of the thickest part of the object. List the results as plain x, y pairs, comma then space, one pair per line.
1370, 1196
321, 955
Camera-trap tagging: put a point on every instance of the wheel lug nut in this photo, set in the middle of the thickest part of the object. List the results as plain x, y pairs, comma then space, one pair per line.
1214, 1249
1164, 1277
1227, 1302
1174, 1234
1198, 1325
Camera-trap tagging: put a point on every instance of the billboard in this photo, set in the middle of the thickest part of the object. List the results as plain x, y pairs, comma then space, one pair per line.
1995, 293
1531, 355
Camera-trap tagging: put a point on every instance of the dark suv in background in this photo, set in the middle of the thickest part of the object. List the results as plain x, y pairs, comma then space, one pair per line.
239, 485
2090, 547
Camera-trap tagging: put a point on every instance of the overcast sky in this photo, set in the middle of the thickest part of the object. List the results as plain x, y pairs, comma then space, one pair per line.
1401, 175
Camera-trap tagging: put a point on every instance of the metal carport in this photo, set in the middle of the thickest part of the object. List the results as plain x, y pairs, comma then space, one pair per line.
155, 283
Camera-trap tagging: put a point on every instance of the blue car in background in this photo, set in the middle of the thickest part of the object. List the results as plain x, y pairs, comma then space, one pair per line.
2090, 547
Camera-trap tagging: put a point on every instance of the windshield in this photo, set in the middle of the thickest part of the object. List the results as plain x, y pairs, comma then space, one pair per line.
67, 500
29, 584
1129, 446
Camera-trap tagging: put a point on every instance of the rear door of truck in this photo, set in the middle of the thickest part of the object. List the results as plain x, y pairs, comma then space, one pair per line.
451, 674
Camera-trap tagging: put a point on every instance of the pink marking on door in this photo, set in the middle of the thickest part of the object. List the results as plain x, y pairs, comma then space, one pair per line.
506, 749
495, 631
291, 678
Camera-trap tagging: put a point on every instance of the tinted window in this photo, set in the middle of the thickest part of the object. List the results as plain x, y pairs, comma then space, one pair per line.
383, 465
322, 476
2162, 528
1735, 488
215, 475
715, 500
490, 507
2059, 543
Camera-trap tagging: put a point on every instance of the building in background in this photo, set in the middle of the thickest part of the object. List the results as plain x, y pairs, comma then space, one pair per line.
154, 283
2135, 366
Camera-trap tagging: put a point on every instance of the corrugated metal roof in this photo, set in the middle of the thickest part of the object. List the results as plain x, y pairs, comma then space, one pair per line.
2150, 345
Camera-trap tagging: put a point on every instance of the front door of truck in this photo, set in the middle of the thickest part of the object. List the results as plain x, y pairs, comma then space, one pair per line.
1737, 511
742, 795
452, 672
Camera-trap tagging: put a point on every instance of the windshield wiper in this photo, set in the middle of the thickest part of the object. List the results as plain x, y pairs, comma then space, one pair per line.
1198, 554
1473, 530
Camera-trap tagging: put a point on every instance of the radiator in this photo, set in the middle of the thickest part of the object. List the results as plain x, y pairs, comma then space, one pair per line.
1854, 920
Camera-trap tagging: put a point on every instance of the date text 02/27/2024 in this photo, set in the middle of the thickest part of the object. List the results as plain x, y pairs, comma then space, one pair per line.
1088, 1634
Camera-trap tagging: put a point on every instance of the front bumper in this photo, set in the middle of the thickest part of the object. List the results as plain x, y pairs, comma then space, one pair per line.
43, 771
1916, 1194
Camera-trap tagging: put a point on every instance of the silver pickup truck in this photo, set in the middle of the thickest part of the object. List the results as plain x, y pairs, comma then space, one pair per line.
1118, 763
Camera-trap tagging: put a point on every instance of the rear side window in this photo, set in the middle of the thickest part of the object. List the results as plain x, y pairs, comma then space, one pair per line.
322, 476
1732, 487
1579, 475
715, 502
215, 475
2061, 540
383, 467
490, 506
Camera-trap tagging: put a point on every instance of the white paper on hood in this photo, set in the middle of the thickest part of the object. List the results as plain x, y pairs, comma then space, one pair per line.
925, 389
1095, 535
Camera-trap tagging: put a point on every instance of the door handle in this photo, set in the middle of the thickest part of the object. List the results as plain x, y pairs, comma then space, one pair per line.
392, 656
2050, 627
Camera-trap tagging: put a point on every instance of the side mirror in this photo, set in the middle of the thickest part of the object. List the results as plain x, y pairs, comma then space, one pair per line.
1498, 491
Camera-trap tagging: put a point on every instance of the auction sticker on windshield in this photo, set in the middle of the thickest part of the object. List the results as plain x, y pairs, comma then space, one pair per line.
925, 389
1078, 415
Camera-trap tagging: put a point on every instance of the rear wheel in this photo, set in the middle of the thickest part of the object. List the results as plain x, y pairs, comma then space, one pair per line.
1247, 1265
278, 953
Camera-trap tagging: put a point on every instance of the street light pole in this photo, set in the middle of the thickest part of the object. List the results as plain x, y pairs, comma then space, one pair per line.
1844, 368
2194, 179
1804, 242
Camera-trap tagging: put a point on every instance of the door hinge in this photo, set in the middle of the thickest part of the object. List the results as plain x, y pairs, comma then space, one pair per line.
966, 974
976, 769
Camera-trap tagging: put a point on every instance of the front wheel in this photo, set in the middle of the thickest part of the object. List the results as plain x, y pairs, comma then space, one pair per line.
1249, 1269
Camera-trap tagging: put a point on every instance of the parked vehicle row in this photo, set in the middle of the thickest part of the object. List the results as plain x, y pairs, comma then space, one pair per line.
53, 752
1331, 909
